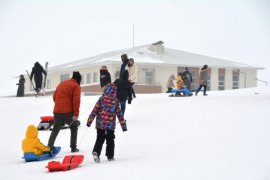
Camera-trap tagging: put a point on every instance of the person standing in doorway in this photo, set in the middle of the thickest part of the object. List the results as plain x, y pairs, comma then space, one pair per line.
67, 97
132, 70
203, 80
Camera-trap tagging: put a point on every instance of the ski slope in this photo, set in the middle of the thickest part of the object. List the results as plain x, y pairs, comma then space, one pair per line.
224, 136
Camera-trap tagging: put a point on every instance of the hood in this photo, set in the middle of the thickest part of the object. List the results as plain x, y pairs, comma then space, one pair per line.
110, 90
31, 132
124, 75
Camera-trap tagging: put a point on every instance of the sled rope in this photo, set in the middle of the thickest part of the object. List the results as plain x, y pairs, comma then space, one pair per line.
85, 131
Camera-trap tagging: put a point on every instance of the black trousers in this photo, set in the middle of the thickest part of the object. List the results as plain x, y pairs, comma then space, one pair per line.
103, 134
132, 90
204, 89
169, 90
60, 119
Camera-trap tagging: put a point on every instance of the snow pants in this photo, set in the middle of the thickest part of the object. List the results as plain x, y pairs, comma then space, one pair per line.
103, 134
60, 119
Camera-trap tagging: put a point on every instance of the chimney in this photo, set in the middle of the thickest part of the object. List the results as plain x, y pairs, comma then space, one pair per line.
157, 47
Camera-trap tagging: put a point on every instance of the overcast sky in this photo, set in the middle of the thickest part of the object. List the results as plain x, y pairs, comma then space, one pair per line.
64, 31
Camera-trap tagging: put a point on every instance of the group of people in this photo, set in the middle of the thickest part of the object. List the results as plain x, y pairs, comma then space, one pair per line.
67, 106
37, 73
185, 79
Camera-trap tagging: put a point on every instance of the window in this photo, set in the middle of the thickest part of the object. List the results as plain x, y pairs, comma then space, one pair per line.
194, 80
149, 77
221, 82
82, 81
221, 79
88, 78
64, 77
208, 81
49, 84
95, 79
146, 76
235, 79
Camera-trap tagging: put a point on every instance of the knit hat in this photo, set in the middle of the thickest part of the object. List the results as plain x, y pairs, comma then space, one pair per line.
77, 76
103, 67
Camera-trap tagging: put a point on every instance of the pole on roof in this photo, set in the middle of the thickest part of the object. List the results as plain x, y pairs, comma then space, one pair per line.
133, 34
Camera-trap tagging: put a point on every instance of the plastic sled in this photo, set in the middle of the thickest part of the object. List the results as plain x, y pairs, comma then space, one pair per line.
66, 126
46, 122
69, 162
28, 157
181, 92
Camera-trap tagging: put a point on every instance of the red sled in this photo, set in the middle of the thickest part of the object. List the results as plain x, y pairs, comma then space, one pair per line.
46, 118
68, 163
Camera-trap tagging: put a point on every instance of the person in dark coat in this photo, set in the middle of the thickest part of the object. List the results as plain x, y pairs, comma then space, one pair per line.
125, 62
105, 77
20, 91
37, 71
203, 80
124, 90
187, 78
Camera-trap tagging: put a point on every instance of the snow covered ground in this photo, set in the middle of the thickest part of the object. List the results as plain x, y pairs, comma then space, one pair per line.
224, 136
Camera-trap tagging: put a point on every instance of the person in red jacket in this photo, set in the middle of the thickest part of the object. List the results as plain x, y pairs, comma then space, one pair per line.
67, 97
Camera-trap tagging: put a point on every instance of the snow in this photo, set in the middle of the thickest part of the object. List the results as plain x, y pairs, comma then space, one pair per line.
222, 136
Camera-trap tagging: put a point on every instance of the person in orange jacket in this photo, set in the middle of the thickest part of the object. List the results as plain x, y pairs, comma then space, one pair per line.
67, 98
31, 143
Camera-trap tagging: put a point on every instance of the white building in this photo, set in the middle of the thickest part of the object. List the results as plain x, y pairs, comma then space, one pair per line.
155, 64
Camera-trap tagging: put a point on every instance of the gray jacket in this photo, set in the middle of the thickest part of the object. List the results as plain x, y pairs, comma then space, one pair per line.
203, 77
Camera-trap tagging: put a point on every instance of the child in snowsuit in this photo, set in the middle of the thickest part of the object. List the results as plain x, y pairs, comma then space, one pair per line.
31, 143
179, 81
105, 111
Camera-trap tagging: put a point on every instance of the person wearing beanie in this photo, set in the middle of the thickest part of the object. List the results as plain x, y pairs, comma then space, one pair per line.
105, 77
125, 62
67, 97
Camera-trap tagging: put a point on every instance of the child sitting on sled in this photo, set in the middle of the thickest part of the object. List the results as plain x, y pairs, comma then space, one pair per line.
31, 143
105, 111
179, 81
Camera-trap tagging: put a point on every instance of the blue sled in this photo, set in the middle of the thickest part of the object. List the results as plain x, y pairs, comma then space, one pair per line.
28, 157
181, 92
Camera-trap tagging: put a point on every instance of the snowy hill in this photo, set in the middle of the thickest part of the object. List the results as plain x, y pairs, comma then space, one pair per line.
224, 136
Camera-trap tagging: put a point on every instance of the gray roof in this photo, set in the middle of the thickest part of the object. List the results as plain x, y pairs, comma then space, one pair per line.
143, 55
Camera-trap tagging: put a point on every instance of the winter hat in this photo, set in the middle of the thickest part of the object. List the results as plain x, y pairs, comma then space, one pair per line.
124, 57
186, 69
103, 67
77, 76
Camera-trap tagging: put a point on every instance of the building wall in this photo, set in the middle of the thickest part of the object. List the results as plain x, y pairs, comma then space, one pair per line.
214, 79
247, 78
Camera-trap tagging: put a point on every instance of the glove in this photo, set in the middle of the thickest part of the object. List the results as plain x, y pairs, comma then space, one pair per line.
124, 127
74, 118
129, 101
89, 121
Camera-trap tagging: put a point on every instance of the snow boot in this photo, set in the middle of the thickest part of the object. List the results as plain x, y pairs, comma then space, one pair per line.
110, 158
96, 157
73, 150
